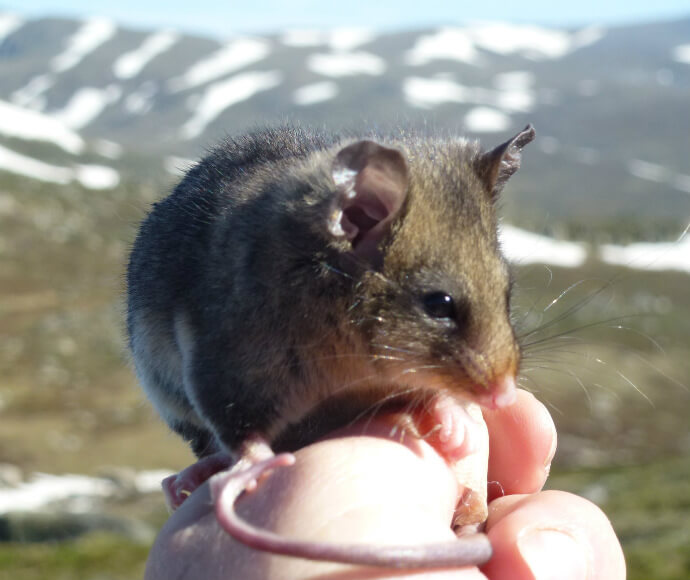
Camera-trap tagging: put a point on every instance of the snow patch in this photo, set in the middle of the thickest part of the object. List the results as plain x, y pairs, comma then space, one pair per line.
109, 149
97, 176
338, 39
446, 44
681, 182
29, 167
486, 120
516, 80
649, 171
526, 247
87, 104
8, 24
315, 93
429, 92
31, 94
349, 38
90, 176
44, 489
178, 165
681, 53
32, 125
341, 64
531, 42
239, 53
221, 95
303, 38
650, 256
141, 101
88, 38
132, 63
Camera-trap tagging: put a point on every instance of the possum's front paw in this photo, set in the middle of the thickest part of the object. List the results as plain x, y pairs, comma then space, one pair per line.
177, 488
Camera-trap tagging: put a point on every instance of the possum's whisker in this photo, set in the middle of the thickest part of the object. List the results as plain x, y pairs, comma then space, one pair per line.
577, 329
643, 335
634, 386
569, 311
564, 293
376, 407
420, 368
662, 373
394, 348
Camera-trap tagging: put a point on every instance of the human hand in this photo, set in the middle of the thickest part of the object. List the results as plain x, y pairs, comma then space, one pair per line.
371, 489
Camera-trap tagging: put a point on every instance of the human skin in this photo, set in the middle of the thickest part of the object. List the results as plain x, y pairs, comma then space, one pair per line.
351, 488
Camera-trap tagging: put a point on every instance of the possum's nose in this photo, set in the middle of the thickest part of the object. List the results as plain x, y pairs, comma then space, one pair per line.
499, 393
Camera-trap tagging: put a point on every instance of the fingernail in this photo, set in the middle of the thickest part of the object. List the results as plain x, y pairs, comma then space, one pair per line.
553, 554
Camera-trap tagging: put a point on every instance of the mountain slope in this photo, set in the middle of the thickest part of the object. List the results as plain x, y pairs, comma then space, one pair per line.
611, 106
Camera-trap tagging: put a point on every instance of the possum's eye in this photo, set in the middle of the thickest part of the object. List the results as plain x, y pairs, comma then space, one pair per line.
439, 305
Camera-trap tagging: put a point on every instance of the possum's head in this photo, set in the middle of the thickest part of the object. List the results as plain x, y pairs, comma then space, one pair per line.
434, 301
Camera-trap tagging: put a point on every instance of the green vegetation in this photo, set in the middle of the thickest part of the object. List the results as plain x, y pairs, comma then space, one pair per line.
615, 380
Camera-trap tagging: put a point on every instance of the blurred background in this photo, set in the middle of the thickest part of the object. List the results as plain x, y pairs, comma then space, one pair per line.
101, 110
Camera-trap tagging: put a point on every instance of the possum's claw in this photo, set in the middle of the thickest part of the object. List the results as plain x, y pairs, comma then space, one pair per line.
178, 487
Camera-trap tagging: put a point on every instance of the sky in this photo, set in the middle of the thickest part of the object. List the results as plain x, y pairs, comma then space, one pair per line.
223, 18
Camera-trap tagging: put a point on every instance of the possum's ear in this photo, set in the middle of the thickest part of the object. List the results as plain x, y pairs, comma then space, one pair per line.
371, 185
496, 166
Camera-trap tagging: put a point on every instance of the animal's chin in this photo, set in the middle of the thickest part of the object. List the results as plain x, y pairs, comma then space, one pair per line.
428, 412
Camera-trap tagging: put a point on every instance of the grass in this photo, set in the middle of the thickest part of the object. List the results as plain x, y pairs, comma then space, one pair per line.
69, 402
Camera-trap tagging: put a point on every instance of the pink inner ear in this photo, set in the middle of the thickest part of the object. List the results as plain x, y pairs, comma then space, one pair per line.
372, 182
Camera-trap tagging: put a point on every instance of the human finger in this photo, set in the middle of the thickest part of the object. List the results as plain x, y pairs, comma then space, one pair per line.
552, 534
522, 442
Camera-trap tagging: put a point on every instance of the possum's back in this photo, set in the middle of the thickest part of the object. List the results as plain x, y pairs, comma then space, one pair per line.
169, 249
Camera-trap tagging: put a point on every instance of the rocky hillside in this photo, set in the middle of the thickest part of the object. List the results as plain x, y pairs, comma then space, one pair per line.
92, 102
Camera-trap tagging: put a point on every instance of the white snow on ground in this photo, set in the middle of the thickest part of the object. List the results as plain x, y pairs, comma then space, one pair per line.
315, 93
107, 148
8, 24
486, 120
31, 94
233, 56
97, 176
428, 92
44, 489
681, 53
30, 167
303, 38
90, 176
516, 80
681, 182
446, 44
650, 256
140, 101
648, 171
87, 104
150, 481
338, 39
221, 95
526, 247
532, 42
26, 124
659, 174
178, 165
132, 63
341, 64
88, 38
349, 38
